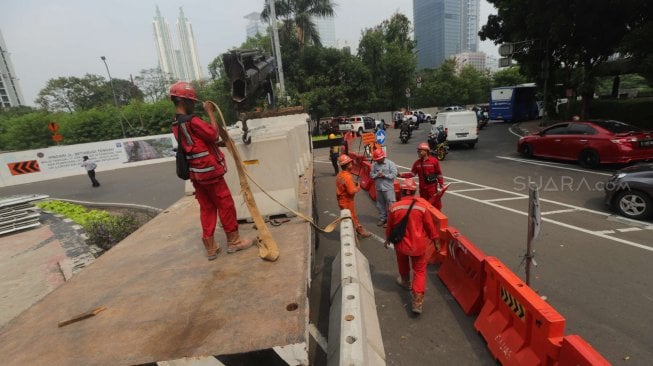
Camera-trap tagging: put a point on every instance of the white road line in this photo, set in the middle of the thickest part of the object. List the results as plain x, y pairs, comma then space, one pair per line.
514, 133
559, 211
550, 165
470, 190
505, 199
541, 199
600, 234
629, 229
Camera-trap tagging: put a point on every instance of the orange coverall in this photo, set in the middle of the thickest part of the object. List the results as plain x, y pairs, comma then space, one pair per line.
345, 191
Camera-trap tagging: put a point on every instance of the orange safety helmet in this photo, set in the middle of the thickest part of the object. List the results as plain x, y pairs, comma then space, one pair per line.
423, 146
408, 185
344, 160
378, 154
184, 90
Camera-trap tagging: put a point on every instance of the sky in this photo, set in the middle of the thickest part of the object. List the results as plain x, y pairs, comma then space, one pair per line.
51, 39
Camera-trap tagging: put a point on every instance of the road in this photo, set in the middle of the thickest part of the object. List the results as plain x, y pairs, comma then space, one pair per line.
593, 267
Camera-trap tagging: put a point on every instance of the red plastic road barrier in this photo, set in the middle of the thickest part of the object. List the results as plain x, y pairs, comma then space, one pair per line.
364, 176
441, 221
519, 327
462, 270
576, 352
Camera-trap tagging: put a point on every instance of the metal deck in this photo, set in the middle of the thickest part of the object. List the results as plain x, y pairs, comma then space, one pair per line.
165, 301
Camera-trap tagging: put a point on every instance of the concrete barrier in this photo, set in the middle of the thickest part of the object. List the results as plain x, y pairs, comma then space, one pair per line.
354, 330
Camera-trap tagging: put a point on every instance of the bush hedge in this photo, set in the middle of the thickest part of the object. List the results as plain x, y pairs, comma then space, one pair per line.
103, 229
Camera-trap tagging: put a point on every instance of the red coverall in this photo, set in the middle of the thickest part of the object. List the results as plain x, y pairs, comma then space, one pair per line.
207, 168
420, 231
421, 168
345, 191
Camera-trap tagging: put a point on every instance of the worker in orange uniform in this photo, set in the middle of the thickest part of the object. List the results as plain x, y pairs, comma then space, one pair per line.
411, 250
345, 191
207, 167
427, 168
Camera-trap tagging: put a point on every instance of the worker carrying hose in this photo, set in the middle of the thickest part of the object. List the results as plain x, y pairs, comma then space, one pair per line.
207, 167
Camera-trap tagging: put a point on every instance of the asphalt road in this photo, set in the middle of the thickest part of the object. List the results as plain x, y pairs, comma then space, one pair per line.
593, 267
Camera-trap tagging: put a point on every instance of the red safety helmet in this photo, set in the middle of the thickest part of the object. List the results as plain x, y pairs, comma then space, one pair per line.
378, 154
344, 160
408, 185
183, 89
423, 146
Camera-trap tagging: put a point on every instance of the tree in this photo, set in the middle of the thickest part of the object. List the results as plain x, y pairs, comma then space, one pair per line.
578, 35
387, 50
154, 84
74, 93
508, 77
299, 15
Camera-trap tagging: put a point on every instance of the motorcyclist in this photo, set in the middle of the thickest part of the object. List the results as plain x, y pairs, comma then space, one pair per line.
437, 136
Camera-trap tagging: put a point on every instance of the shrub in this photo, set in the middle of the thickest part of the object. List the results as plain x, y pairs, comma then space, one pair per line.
103, 229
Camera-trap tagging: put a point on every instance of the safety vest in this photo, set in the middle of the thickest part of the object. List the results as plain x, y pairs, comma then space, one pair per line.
199, 141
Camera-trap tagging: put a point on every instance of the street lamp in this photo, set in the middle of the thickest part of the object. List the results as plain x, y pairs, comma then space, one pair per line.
115, 99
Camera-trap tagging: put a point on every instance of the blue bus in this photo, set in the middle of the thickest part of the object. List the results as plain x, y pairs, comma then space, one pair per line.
514, 103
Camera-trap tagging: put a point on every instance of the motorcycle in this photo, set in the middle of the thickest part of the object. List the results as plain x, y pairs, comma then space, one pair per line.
438, 145
404, 134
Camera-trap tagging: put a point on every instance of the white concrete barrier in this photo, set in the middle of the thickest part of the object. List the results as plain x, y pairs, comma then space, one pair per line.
53, 162
354, 330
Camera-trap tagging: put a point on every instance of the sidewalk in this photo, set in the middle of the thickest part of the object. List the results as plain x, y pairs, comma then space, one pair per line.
36, 261
526, 127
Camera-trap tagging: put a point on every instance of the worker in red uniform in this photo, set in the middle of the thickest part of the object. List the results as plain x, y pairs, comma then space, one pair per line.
207, 168
427, 168
345, 191
411, 251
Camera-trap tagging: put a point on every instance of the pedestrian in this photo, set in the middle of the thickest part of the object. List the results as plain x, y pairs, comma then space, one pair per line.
334, 152
427, 168
384, 172
345, 191
90, 170
411, 250
207, 167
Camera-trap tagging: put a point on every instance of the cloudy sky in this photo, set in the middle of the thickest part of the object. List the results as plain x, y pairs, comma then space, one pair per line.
50, 39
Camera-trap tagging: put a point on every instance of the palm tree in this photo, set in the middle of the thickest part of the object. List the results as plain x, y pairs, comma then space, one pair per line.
299, 14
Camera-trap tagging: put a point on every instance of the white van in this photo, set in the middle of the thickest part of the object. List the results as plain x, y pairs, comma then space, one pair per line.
461, 127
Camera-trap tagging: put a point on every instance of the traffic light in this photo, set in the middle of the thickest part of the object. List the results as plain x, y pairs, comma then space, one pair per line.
250, 72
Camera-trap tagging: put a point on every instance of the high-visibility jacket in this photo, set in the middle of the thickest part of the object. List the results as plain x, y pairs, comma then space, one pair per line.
345, 186
422, 168
420, 229
199, 141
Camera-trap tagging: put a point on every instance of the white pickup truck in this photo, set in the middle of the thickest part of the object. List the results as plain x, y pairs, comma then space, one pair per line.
360, 124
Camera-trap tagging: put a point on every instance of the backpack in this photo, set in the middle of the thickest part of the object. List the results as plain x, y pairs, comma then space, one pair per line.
398, 232
183, 170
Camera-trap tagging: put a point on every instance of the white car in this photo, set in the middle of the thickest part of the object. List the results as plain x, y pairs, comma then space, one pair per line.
362, 124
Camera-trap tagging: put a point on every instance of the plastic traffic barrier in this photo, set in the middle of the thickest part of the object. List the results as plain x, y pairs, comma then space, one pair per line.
462, 270
519, 327
576, 352
441, 221
364, 175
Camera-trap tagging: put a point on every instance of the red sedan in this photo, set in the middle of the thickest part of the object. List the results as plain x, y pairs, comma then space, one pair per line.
590, 143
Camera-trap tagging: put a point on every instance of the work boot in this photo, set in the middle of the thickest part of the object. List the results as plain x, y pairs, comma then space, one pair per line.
236, 243
211, 248
381, 223
362, 232
404, 282
418, 301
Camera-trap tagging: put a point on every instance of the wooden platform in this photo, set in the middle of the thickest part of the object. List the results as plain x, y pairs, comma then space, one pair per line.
165, 301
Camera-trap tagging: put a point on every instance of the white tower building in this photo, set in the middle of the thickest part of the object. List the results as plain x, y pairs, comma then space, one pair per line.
10, 93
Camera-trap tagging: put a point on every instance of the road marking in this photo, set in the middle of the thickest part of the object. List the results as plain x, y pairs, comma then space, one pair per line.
600, 234
559, 211
505, 199
629, 229
514, 133
470, 190
551, 165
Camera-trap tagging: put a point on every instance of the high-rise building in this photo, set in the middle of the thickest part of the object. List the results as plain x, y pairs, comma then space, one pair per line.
255, 25
326, 27
444, 28
10, 93
178, 63
476, 59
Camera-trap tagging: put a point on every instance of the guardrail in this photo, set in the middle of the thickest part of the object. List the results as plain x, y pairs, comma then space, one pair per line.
354, 330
